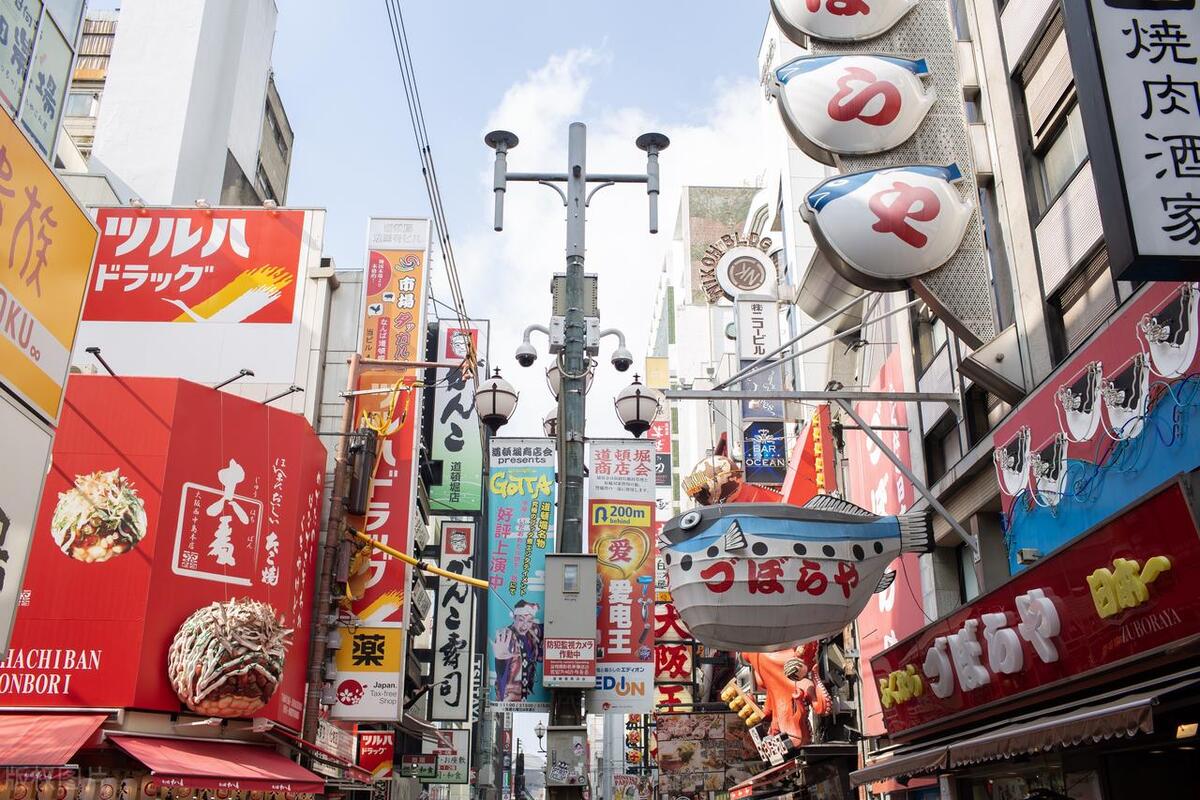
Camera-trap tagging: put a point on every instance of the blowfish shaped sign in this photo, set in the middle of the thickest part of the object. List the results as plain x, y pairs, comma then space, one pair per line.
763, 576
852, 104
882, 227
841, 20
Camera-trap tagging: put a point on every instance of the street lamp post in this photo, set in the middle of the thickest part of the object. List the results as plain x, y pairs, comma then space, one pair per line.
566, 705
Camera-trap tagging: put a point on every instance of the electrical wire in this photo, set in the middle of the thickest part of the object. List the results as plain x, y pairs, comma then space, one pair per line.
416, 113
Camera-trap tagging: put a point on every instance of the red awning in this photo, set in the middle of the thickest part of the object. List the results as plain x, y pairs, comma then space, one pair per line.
44, 740
205, 764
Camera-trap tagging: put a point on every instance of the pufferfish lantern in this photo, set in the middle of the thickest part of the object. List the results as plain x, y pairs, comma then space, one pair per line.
761, 576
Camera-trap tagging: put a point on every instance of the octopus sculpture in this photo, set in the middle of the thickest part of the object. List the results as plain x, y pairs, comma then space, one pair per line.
792, 682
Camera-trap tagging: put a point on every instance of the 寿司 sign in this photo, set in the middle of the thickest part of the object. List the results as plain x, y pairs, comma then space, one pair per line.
224, 285
173, 554
1124, 590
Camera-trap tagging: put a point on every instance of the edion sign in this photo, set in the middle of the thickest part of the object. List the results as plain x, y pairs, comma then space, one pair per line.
842, 20
854, 104
885, 226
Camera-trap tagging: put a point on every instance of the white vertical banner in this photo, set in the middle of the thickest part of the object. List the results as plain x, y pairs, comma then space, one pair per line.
757, 326
621, 527
455, 437
454, 627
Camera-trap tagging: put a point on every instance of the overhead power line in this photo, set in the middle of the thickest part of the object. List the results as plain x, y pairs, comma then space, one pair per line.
416, 113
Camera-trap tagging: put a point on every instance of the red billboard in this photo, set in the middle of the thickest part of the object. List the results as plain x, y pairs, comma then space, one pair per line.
877, 485
172, 561
1124, 591
195, 265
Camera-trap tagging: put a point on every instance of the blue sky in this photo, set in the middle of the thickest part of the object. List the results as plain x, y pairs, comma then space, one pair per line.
622, 67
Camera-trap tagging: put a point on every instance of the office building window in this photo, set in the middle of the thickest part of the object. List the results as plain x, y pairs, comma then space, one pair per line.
1083, 303
968, 581
81, 104
929, 337
1061, 157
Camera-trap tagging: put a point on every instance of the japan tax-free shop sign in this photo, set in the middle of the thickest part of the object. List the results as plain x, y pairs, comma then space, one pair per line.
1137, 74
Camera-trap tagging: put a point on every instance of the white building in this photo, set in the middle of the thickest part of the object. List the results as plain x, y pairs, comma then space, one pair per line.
176, 102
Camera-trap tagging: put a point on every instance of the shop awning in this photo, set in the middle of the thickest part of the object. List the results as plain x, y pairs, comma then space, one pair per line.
206, 764
1125, 716
910, 763
44, 740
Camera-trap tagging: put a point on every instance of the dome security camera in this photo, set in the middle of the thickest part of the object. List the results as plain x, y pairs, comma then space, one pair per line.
526, 355
622, 359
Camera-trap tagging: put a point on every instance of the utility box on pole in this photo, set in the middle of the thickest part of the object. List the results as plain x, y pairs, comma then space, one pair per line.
571, 602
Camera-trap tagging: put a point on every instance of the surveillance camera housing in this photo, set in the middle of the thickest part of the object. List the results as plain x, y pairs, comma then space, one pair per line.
526, 355
622, 360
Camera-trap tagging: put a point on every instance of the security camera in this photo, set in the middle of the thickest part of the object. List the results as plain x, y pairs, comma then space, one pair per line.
526, 355
622, 359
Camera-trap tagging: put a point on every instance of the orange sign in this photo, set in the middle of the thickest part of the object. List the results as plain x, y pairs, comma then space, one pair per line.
394, 324
46, 246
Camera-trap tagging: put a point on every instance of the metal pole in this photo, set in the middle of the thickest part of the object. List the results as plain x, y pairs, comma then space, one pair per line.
326, 555
812, 396
968, 538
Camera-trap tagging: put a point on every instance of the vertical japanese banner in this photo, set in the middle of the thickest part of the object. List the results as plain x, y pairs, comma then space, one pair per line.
620, 534
456, 440
521, 505
370, 663
877, 485
394, 306
454, 626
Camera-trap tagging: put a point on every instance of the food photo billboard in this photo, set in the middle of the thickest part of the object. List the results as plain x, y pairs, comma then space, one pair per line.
172, 559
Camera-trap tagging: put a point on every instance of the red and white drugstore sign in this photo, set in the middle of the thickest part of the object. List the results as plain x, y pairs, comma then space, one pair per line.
375, 753
1124, 590
224, 286
163, 497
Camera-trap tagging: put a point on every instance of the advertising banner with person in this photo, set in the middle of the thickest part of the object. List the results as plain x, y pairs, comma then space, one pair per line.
521, 505
620, 534
172, 560
223, 285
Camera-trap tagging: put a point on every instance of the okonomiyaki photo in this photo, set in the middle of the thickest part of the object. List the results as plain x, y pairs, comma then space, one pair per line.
100, 517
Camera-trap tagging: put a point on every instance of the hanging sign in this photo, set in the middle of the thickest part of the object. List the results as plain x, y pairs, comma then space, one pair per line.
375, 750
456, 441
521, 523
620, 529
452, 748
839, 20
1138, 73
852, 104
885, 226
738, 264
764, 453
454, 621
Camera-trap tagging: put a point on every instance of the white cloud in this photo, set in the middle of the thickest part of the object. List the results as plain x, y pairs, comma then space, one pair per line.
506, 276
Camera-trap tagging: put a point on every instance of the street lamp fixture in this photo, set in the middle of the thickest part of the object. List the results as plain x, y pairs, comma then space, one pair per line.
554, 377
550, 423
637, 406
539, 730
495, 401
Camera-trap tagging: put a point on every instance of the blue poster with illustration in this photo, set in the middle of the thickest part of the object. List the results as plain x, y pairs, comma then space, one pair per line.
521, 497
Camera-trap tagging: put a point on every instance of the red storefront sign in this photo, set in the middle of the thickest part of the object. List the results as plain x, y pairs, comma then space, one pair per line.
375, 753
165, 497
196, 265
1123, 591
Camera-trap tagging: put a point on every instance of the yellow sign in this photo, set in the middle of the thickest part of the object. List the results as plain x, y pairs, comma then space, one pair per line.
46, 246
1125, 585
900, 686
370, 650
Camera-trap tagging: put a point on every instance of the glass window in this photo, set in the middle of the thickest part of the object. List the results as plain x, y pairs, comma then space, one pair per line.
968, 581
1062, 157
929, 335
81, 104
